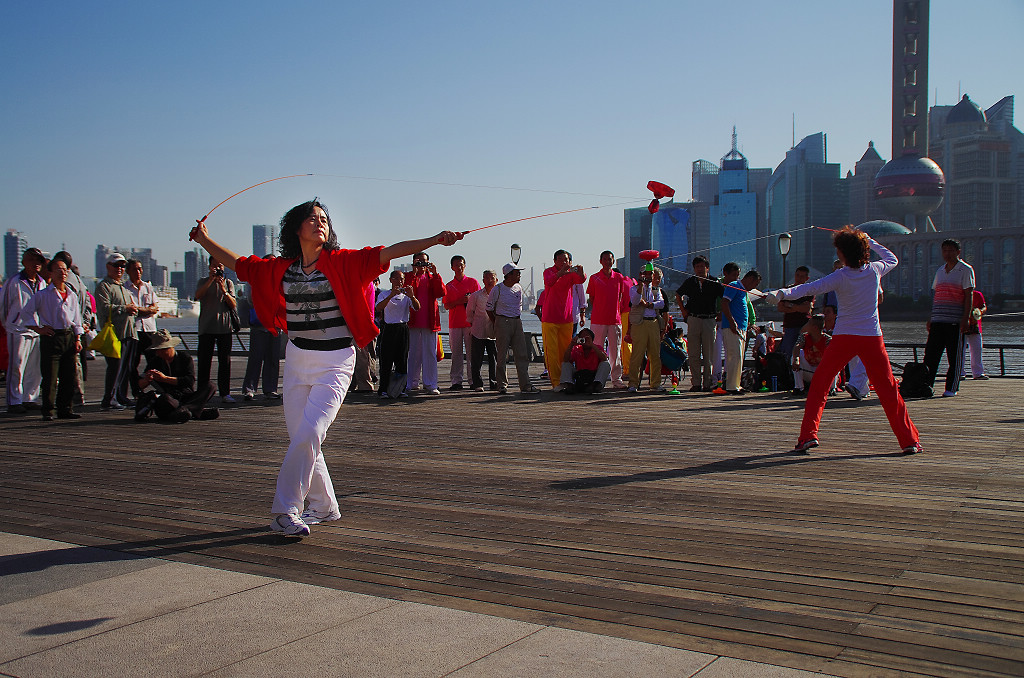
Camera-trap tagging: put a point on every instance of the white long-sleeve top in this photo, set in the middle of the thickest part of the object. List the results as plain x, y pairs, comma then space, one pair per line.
481, 326
47, 308
856, 291
13, 296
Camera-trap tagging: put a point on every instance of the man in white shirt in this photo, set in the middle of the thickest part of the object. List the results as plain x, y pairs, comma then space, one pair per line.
481, 329
55, 314
504, 306
23, 374
394, 306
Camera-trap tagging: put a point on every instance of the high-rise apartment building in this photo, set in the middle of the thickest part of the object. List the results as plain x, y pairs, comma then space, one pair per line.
264, 240
861, 184
15, 244
196, 267
805, 191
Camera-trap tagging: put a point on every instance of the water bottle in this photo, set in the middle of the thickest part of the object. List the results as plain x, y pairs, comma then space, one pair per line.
775, 383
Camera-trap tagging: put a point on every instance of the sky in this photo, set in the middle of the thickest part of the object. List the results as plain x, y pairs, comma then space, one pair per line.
124, 122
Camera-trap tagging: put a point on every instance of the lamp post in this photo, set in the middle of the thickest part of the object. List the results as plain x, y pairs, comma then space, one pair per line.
785, 242
516, 252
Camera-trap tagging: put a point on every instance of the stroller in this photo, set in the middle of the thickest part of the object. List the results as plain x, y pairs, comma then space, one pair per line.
673, 355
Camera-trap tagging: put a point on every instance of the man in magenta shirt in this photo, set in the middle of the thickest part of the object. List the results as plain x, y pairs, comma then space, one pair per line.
556, 315
456, 296
605, 291
424, 323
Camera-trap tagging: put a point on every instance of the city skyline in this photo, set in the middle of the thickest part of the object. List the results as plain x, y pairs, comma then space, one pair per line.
126, 136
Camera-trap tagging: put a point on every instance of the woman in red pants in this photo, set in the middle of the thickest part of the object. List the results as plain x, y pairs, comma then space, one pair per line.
857, 333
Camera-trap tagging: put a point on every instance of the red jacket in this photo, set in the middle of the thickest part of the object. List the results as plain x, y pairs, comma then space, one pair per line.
428, 297
348, 271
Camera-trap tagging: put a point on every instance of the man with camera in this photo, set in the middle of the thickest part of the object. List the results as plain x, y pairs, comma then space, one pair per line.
557, 314
172, 375
585, 366
216, 295
424, 323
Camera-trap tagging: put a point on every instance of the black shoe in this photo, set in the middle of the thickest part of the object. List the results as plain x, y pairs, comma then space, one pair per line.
47, 417
455, 387
17, 409
68, 415
209, 413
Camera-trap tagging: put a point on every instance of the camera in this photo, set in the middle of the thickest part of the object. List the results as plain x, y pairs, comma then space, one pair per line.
219, 273
419, 263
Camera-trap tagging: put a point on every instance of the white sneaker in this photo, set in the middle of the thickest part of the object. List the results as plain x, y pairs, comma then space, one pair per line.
434, 391
478, 389
313, 517
948, 394
631, 389
290, 524
228, 400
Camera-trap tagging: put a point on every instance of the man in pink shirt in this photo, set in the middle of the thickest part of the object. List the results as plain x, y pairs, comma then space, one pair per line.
424, 323
556, 315
605, 292
456, 296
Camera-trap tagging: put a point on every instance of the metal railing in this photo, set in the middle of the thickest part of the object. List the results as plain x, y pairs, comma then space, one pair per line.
1001, 359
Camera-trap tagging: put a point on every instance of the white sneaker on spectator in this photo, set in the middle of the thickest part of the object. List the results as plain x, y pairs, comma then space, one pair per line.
312, 517
290, 524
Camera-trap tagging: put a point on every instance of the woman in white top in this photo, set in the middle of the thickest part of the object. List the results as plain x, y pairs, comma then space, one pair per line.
857, 333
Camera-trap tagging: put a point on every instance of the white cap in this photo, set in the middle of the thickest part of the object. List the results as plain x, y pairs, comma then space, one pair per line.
508, 268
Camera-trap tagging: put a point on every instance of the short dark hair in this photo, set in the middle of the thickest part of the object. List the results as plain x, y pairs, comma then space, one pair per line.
803, 268
588, 331
458, 257
56, 260
951, 242
700, 259
290, 224
731, 267
35, 252
132, 262
607, 252
64, 256
752, 273
557, 252
426, 257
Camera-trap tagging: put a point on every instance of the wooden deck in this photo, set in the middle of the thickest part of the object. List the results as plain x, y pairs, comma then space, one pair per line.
677, 520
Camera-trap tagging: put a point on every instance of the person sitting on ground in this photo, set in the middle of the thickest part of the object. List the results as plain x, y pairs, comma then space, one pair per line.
172, 375
807, 353
585, 366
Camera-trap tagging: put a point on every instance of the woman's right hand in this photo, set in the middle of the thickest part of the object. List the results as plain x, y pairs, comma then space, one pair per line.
199, 232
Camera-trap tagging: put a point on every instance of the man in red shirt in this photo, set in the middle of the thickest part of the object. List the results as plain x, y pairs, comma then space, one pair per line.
556, 314
424, 323
585, 368
456, 296
605, 291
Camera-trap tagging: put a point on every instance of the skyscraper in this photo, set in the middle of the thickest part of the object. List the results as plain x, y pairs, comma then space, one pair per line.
861, 184
196, 266
15, 244
263, 240
805, 191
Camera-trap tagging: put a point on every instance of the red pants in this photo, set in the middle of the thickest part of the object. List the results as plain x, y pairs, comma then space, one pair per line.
871, 351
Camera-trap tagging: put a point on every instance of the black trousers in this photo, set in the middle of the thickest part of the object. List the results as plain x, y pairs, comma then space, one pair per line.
945, 337
119, 380
186, 405
392, 353
58, 366
476, 361
222, 342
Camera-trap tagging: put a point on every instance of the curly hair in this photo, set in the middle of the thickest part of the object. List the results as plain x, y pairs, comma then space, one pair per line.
854, 246
290, 224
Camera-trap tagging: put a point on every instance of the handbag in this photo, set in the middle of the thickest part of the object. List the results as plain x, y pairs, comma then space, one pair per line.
236, 322
106, 342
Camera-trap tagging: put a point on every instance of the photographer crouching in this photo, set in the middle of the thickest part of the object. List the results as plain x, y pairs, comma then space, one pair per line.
585, 366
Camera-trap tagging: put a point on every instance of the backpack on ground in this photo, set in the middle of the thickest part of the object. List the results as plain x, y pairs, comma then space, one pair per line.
915, 381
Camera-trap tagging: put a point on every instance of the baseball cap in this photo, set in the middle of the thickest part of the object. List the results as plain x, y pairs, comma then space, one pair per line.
508, 268
115, 257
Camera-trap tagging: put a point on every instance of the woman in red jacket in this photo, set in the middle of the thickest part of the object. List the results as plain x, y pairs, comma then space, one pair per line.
317, 293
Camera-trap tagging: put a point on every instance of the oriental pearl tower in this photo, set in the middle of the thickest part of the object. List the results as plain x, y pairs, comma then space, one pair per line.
910, 186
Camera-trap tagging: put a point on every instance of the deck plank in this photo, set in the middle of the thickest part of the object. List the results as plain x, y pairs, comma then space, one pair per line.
677, 520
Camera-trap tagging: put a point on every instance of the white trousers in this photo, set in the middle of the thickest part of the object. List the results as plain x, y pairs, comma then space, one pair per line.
23, 371
973, 342
859, 376
315, 384
459, 341
734, 344
613, 333
422, 357
601, 375
805, 374
717, 357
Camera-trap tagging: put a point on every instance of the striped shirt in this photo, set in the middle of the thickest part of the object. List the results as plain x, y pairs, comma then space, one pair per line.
951, 292
315, 322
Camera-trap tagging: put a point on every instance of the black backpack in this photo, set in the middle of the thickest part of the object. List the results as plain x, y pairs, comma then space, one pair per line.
916, 381
776, 365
